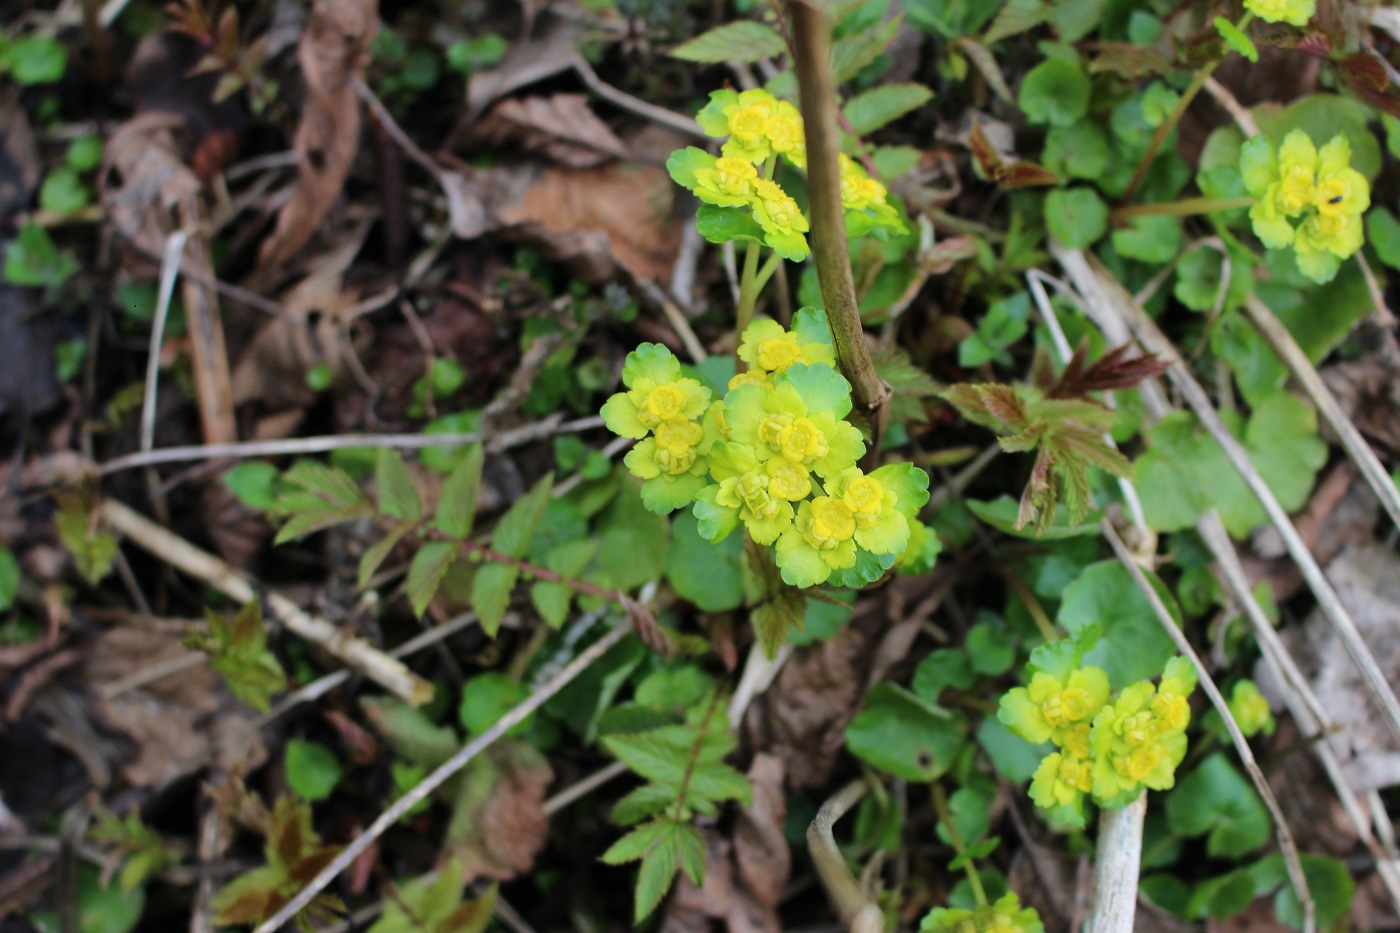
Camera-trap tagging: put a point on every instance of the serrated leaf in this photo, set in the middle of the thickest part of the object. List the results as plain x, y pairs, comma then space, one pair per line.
742, 41
491, 589
426, 572
94, 550
881, 105
305, 523
850, 54
635, 844
1016, 17
551, 601
397, 496
456, 508
371, 559
646, 801
659, 867
334, 486
516, 528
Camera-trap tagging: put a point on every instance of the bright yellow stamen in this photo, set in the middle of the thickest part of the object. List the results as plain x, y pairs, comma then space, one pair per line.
832, 523
662, 404
770, 431
865, 497
788, 480
803, 442
778, 353
751, 122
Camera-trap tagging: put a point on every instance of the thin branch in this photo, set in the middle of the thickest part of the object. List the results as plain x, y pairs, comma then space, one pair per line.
1154, 341
1292, 355
433, 781
169, 268
323, 443
1286, 844
355, 652
830, 249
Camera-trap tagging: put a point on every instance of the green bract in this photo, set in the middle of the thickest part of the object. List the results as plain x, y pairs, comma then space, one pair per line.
1293, 12
1306, 198
775, 455
1250, 709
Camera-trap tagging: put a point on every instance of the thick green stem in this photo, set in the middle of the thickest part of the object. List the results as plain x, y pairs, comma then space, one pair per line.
812, 49
766, 272
945, 816
1186, 207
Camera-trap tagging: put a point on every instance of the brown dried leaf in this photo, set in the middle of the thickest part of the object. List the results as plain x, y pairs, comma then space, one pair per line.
1018, 174
144, 179
499, 824
723, 897
760, 849
180, 723
600, 220
549, 51
333, 50
561, 127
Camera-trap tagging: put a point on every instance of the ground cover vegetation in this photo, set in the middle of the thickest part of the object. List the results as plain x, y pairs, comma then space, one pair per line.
508, 466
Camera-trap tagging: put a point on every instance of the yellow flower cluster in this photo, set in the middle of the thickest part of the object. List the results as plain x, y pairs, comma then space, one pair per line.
775, 455
1308, 199
1294, 12
1005, 916
742, 198
1109, 747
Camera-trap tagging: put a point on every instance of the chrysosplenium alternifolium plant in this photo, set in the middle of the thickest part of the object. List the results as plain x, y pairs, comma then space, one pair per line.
774, 455
1005, 916
741, 198
1110, 747
1293, 12
1309, 199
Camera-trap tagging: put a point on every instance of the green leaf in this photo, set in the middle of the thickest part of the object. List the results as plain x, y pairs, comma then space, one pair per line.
491, 589
1133, 646
634, 541
658, 871
851, 53
426, 571
254, 483
1383, 233
487, 697
970, 808
1079, 150
516, 528
312, 769
1216, 799
410, 732
706, 574
883, 104
636, 844
9, 578
1016, 17
63, 192
1330, 883
31, 259
1055, 92
904, 735
425, 905
397, 496
37, 59
456, 508
101, 908
991, 648
93, 549
1222, 896
1013, 757
85, 153
941, 669
1149, 239
376, 555
1236, 39
1001, 514
722, 224
1077, 217
741, 41
1075, 19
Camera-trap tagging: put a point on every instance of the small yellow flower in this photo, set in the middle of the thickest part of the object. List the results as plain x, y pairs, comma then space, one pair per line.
729, 183
829, 523
751, 377
865, 497
802, 441
677, 441
768, 347
788, 480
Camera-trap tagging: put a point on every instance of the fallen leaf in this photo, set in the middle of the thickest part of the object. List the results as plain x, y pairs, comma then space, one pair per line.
549, 51
722, 897
760, 848
144, 180
1369, 393
333, 50
19, 157
499, 824
562, 128
180, 723
598, 221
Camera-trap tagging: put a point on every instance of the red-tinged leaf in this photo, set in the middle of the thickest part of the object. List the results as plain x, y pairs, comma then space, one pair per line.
988, 159
1038, 498
249, 898
289, 834
312, 865
991, 405
650, 631
1315, 44
1024, 175
1114, 370
1371, 77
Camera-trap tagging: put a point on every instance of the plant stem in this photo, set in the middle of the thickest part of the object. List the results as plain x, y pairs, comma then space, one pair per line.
748, 294
1173, 118
1186, 207
772, 264
812, 48
945, 816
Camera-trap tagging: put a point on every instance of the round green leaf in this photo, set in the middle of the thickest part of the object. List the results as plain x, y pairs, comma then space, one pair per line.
1076, 216
312, 769
254, 483
1079, 150
1133, 646
486, 698
1055, 92
904, 735
1216, 799
706, 574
